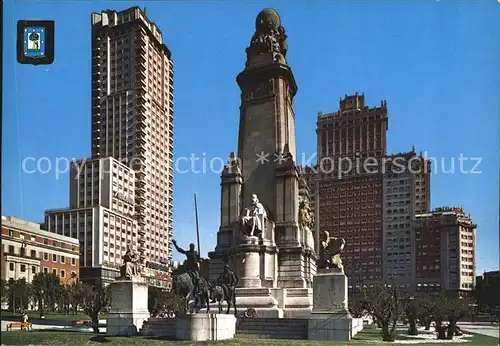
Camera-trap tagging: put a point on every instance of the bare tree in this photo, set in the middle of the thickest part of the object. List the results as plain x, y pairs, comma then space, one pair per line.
448, 309
356, 308
411, 309
384, 303
426, 312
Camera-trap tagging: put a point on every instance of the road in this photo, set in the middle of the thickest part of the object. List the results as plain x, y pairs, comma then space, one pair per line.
481, 328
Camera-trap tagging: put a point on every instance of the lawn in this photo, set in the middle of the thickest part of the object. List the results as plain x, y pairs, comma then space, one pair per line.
51, 337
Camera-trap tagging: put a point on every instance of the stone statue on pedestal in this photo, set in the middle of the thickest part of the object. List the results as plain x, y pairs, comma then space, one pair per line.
131, 267
254, 220
329, 251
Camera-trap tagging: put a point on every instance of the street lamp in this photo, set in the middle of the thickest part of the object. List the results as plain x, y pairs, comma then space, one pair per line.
41, 304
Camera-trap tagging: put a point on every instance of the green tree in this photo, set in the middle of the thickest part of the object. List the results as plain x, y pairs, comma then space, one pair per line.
18, 294
94, 299
4, 291
45, 288
159, 299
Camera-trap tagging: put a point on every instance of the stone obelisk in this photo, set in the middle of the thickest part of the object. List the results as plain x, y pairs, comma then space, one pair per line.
277, 266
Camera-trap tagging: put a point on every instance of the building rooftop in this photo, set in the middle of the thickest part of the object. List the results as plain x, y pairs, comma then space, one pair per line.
34, 228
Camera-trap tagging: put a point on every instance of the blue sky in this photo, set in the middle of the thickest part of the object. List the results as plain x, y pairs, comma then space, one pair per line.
436, 64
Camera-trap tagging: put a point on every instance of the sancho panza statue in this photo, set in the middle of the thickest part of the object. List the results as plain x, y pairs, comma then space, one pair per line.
131, 266
329, 251
254, 219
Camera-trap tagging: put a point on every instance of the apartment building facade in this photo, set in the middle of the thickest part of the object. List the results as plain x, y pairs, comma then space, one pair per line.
101, 217
132, 117
27, 250
445, 241
347, 183
406, 192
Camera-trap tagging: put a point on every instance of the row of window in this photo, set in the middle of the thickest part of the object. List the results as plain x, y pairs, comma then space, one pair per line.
23, 268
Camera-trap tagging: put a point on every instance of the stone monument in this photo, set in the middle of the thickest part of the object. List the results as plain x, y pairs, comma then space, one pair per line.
330, 318
267, 244
129, 298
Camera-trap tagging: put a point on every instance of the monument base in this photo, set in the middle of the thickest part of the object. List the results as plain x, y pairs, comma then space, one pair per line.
330, 318
330, 291
129, 307
333, 327
266, 301
298, 302
206, 327
196, 327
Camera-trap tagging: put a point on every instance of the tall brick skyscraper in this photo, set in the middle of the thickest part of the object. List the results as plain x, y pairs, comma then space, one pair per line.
132, 117
350, 200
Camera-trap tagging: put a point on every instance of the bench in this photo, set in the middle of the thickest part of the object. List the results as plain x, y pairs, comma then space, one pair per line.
82, 323
20, 325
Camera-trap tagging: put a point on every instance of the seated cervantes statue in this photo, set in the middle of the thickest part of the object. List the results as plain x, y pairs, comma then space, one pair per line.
255, 217
329, 251
131, 266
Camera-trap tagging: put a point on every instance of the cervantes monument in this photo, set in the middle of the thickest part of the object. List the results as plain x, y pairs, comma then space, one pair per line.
266, 223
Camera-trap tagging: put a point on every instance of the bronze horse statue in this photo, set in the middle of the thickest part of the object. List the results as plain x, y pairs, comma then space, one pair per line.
182, 285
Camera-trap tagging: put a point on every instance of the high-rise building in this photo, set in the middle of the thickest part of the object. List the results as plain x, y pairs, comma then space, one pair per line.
406, 191
101, 217
348, 183
132, 117
445, 241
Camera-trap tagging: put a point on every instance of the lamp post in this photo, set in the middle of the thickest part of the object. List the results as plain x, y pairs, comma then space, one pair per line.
41, 304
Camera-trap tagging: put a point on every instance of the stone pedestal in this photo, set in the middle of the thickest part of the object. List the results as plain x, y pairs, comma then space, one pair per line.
267, 302
330, 291
129, 307
247, 255
330, 318
205, 327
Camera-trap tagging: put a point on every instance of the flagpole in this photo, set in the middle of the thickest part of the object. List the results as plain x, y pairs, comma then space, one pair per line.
197, 228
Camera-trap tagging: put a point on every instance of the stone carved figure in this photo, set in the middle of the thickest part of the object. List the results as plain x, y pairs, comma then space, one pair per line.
329, 251
269, 36
306, 215
254, 219
131, 267
306, 220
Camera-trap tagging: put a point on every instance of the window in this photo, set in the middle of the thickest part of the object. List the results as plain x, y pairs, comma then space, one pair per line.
73, 261
45, 256
54, 257
54, 271
45, 270
23, 268
11, 249
11, 267
33, 253
33, 270
63, 259
45, 241
63, 273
